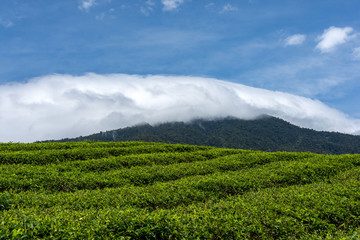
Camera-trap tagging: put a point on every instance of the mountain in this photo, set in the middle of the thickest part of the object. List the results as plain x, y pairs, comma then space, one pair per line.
265, 134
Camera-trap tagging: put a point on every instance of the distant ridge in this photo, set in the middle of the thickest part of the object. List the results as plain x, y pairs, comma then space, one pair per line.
265, 134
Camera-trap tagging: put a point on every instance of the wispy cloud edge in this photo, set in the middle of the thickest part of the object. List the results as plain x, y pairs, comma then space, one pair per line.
228, 8
85, 5
296, 39
170, 5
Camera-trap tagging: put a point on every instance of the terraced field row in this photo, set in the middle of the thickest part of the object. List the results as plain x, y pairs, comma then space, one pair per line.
134, 190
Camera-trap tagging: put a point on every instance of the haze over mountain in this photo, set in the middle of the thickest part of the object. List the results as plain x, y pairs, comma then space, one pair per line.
265, 133
60, 106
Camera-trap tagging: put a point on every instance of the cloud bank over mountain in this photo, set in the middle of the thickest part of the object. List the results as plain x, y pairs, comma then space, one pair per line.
59, 106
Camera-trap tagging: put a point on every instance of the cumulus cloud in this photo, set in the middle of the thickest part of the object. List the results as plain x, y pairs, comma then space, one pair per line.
85, 5
59, 106
170, 5
296, 39
333, 37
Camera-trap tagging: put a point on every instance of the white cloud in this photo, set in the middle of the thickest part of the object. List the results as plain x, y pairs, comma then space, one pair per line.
296, 39
209, 5
58, 106
333, 37
6, 23
228, 8
87, 4
147, 7
356, 53
170, 5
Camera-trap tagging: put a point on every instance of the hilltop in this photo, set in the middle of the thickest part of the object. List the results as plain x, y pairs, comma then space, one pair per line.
265, 134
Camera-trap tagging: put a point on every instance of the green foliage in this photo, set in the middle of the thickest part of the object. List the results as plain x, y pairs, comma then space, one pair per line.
137, 190
264, 134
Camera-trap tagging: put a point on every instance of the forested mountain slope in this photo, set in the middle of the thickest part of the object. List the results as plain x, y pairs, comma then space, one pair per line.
266, 134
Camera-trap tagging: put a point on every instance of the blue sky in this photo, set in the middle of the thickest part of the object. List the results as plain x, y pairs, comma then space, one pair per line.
306, 48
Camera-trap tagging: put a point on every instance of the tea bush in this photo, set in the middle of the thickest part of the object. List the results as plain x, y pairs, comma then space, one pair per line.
135, 190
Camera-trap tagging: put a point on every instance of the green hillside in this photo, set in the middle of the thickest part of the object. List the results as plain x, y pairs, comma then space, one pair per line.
263, 134
138, 190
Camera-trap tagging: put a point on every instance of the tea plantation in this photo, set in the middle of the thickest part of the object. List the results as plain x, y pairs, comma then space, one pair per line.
137, 190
